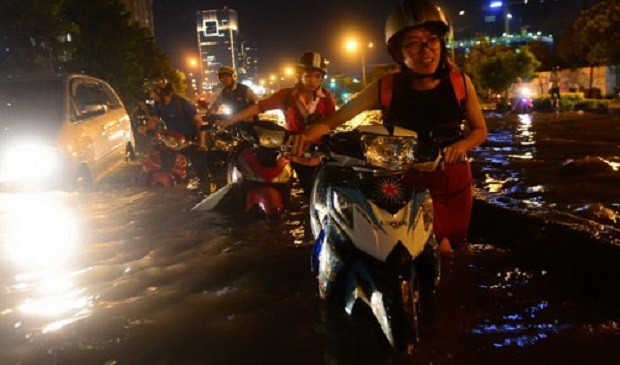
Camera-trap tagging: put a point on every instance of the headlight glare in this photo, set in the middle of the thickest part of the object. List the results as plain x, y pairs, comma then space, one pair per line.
29, 162
390, 152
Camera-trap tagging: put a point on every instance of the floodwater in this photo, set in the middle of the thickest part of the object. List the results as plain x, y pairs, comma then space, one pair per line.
567, 163
125, 275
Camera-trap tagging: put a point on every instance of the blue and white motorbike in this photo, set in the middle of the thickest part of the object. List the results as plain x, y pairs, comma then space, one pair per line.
374, 230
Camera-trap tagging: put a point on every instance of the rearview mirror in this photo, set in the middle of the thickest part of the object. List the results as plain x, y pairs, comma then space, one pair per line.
91, 110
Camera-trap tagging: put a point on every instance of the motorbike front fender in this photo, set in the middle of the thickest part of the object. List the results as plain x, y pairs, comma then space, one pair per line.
267, 198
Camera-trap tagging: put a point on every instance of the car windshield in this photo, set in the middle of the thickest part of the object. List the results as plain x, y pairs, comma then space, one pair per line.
31, 101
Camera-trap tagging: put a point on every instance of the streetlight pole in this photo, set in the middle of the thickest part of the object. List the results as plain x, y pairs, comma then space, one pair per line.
370, 45
363, 71
352, 46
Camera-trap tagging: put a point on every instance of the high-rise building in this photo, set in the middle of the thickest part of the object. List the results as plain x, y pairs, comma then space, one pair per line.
218, 43
248, 61
141, 13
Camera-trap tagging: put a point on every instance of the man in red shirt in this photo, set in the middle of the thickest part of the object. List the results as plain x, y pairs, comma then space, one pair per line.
301, 104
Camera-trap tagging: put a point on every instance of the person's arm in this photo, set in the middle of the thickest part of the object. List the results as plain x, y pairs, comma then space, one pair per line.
198, 122
275, 101
367, 99
251, 96
244, 114
192, 114
457, 152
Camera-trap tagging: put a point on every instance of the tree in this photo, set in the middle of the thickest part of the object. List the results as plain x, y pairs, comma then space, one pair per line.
108, 46
33, 35
495, 68
543, 53
596, 30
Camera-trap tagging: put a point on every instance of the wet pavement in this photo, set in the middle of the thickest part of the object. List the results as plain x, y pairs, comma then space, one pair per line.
125, 275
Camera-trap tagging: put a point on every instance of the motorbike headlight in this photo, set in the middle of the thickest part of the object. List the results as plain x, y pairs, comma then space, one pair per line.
174, 142
270, 138
29, 162
525, 92
344, 207
394, 153
225, 109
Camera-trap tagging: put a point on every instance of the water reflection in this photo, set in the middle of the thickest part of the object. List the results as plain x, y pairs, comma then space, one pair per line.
524, 136
40, 237
549, 163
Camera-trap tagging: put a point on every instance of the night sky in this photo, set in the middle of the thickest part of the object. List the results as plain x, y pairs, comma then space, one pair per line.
283, 29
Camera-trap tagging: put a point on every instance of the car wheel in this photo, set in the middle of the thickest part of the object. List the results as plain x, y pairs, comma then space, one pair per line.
84, 178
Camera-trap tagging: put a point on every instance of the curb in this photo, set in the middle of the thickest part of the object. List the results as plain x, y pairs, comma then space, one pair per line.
550, 236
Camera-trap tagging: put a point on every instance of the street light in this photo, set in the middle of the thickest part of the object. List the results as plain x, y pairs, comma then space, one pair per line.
352, 46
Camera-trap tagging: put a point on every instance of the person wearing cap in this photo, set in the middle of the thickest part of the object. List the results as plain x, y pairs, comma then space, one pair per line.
301, 104
234, 95
422, 98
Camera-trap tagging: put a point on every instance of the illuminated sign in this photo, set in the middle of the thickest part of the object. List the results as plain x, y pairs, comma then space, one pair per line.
210, 28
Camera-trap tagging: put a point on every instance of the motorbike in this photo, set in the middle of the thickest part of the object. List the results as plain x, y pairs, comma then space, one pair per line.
165, 165
523, 102
259, 170
375, 245
221, 143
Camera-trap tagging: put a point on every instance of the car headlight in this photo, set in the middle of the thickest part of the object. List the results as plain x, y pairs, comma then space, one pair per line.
29, 162
270, 138
394, 153
344, 207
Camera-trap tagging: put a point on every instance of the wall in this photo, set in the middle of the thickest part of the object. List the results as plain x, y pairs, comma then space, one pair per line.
605, 78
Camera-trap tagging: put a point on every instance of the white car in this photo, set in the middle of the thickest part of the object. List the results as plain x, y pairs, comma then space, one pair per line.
68, 129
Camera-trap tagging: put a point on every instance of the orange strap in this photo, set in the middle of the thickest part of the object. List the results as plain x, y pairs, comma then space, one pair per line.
460, 90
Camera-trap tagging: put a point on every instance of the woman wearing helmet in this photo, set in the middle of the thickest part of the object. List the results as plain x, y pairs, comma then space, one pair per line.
301, 104
421, 97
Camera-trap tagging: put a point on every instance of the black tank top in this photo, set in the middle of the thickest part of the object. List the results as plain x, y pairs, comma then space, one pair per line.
434, 114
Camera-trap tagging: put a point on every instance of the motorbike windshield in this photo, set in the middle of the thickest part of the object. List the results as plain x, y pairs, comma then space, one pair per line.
31, 103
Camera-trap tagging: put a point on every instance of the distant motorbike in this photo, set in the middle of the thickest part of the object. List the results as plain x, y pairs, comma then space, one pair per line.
523, 103
258, 169
165, 165
374, 229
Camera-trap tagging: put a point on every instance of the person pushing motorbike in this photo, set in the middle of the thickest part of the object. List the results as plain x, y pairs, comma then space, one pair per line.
179, 115
234, 95
421, 97
301, 104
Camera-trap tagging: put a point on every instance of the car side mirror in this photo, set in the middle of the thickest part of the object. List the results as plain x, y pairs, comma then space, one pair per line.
91, 110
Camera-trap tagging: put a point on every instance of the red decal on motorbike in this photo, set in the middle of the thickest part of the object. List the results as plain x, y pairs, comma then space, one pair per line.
267, 173
390, 190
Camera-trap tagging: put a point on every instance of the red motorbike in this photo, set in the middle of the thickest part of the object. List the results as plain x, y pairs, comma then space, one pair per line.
165, 165
258, 171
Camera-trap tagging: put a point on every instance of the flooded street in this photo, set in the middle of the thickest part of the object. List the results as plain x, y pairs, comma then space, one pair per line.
567, 163
125, 275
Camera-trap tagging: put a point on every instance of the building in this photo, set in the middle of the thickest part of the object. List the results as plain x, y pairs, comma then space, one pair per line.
248, 61
218, 43
141, 13
496, 17
515, 40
